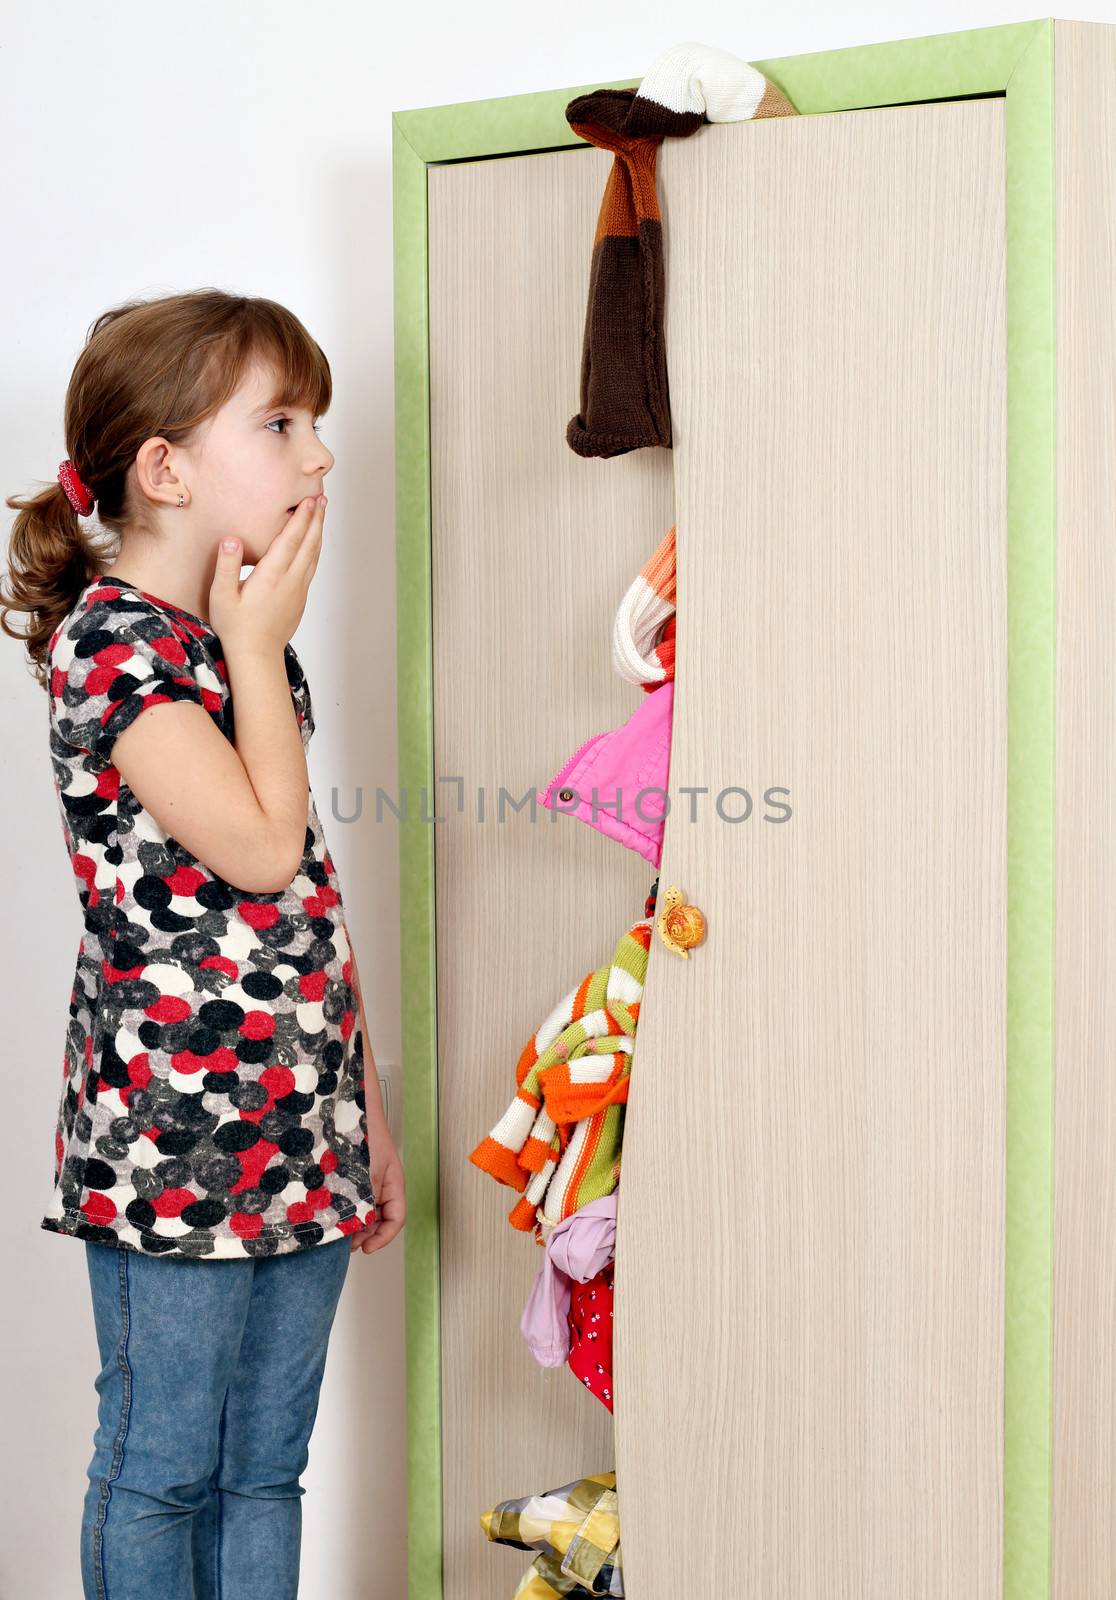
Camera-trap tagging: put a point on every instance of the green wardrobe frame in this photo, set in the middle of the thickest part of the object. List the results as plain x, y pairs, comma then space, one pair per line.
1017, 61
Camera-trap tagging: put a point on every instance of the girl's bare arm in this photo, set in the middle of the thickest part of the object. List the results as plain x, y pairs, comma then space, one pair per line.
240, 809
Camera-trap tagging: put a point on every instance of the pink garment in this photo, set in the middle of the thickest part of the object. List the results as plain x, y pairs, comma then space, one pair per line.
629, 768
576, 1249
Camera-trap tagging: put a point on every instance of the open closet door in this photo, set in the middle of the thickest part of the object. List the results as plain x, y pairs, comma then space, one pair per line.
809, 1308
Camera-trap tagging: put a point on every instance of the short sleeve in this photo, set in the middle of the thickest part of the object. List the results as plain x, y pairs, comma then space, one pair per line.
108, 666
300, 694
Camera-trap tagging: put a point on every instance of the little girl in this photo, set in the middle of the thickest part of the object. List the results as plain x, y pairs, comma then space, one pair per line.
214, 1148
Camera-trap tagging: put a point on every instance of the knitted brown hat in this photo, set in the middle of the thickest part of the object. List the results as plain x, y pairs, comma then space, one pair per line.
624, 396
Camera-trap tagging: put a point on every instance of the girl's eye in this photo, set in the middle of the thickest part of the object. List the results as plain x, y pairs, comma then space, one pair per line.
276, 420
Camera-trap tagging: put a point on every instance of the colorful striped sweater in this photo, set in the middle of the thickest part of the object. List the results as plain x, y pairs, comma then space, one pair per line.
559, 1140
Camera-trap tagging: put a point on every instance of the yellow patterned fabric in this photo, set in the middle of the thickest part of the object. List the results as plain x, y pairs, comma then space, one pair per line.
575, 1529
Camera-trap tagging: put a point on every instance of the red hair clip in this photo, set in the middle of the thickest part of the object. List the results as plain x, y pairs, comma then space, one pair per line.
78, 493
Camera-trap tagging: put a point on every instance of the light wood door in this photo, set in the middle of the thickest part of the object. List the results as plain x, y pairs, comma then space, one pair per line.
810, 1250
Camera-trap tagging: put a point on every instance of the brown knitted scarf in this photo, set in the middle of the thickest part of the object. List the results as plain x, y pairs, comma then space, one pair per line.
624, 396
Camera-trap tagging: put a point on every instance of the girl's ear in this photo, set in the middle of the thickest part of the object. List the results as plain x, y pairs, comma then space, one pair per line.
158, 472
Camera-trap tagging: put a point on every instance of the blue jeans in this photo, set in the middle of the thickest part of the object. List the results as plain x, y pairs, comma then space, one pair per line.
209, 1383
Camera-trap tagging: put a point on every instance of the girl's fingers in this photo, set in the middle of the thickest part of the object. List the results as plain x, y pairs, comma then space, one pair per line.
304, 558
281, 552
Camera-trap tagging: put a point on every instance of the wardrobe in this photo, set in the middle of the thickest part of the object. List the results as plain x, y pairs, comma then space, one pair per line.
865, 1315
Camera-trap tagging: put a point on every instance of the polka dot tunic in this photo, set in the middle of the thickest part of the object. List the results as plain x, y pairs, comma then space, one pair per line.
212, 1100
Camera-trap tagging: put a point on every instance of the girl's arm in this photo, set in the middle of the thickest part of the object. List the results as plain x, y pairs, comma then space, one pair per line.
240, 809
388, 1179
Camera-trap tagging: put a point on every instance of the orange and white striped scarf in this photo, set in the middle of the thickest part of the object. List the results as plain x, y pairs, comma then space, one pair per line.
644, 630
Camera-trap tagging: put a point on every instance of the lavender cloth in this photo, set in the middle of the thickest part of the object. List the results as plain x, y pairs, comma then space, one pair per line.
576, 1248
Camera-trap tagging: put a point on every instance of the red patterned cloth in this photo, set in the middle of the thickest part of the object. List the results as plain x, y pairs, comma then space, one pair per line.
590, 1357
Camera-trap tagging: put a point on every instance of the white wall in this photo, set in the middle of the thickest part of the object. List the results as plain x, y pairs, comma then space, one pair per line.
151, 148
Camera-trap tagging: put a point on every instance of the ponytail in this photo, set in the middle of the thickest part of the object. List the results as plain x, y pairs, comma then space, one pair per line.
51, 558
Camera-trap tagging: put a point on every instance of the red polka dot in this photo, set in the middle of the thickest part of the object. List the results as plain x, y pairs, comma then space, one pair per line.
258, 1025
171, 1202
258, 916
328, 1163
244, 1225
220, 964
139, 1071
186, 880
312, 985
317, 904
168, 1008
299, 1211
223, 1060
83, 868
170, 648
252, 1163
99, 1208
318, 1198
278, 1081
108, 659
186, 1061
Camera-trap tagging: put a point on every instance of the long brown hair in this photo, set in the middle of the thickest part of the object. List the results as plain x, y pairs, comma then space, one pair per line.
148, 367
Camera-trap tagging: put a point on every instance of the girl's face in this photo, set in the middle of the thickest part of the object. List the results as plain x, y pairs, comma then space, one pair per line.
250, 464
